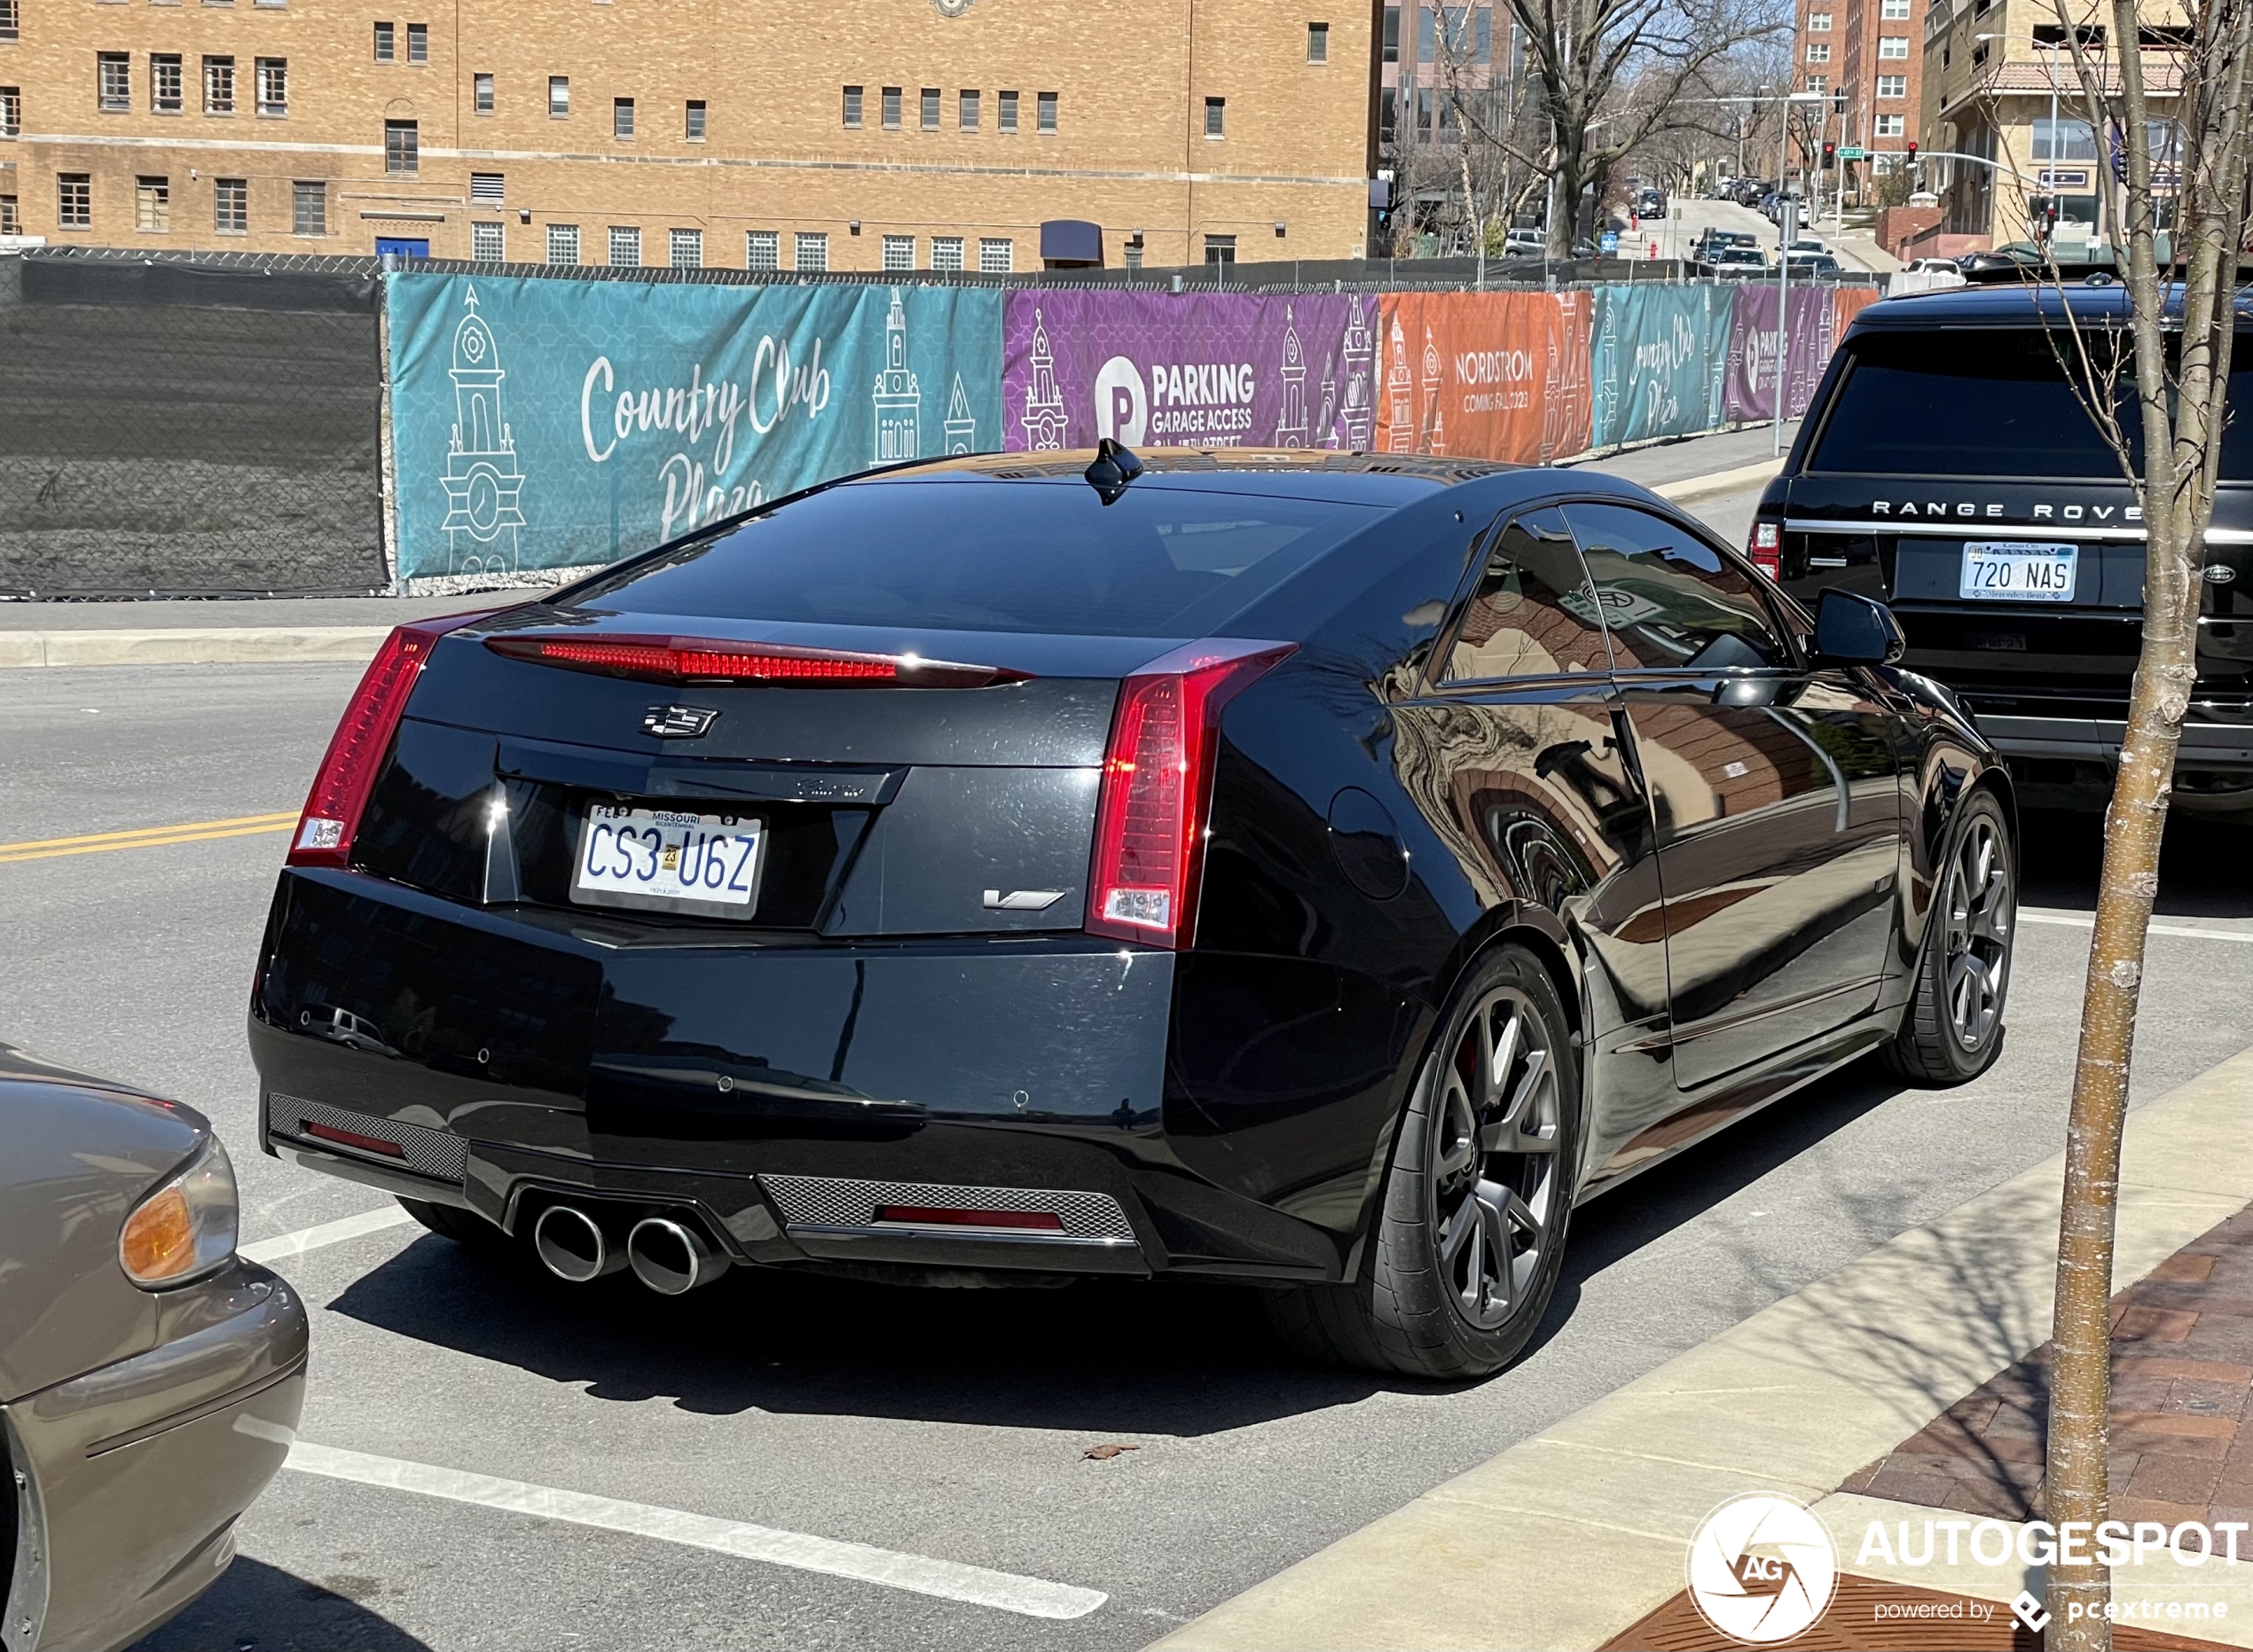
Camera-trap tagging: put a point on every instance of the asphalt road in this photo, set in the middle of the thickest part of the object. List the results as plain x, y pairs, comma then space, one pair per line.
949, 1425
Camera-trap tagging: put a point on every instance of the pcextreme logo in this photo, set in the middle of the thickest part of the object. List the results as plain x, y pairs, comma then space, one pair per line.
1761, 1568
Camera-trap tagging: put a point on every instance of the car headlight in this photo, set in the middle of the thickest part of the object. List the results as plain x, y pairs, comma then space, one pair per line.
185, 1229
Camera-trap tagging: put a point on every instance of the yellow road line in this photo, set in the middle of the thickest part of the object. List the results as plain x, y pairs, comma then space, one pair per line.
146, 837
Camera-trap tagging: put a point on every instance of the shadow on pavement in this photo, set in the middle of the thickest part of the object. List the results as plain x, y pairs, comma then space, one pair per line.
255, 1607
2202, 865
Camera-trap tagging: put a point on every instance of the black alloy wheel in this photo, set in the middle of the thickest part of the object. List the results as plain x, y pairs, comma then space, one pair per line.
1472, 1215
1952, 1028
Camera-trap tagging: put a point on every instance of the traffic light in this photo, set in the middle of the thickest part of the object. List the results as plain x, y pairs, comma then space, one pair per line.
2042, 212
1913, 149
1830, 154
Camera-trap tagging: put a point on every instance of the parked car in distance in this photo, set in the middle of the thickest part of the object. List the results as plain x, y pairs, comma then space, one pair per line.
1313, 868
1650, 203
1813, 264
1518, 243
150, 1379
1935, 266
1734, 261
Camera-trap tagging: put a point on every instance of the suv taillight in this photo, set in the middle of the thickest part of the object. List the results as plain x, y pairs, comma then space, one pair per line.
1766, 548
1157, 788
363, 737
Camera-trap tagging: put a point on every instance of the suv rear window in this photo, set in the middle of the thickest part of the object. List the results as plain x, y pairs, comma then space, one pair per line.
1987, 401
989, 556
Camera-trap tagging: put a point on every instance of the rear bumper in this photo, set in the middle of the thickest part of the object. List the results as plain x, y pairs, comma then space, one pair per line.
136, 1473
781, 1094
2205, 746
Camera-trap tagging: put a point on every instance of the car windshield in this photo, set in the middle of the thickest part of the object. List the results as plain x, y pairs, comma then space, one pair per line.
997, 556
1991, 401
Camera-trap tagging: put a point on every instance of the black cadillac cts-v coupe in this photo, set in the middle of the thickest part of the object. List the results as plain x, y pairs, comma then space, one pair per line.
1314, 870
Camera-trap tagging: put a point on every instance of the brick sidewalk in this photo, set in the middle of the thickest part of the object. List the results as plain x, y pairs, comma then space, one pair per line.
2182, 1396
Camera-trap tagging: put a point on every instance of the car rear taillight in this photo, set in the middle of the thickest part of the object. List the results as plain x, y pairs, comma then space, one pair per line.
363, 737
1766, 549
709, 660
1157, 788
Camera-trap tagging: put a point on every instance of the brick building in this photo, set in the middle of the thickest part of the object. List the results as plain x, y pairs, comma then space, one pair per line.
897, 134
1867, 55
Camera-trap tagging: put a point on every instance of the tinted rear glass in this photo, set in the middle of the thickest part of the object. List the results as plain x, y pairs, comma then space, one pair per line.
995, 556
1965, 402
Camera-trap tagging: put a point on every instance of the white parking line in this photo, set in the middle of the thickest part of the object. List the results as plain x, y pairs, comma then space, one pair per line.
2083, 920
949, 1581
287, 1245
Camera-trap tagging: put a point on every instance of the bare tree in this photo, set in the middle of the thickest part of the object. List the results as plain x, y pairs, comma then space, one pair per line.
2161, 402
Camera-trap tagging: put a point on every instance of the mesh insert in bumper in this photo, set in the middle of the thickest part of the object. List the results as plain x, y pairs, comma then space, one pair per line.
434, 1153
836, 1201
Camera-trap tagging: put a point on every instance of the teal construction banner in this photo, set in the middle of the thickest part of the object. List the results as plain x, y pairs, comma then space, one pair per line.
1660, 357
542, 423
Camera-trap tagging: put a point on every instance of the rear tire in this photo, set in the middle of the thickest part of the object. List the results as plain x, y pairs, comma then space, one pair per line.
1471, 1225
1952, 1028
464, 1227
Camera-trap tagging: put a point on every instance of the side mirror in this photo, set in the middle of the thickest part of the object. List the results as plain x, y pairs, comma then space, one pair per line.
1854, 629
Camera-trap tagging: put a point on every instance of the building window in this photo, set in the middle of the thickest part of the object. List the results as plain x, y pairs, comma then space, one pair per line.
488, 243
1219, 249
621, 117
1819, 22
762, 249
11, 220
891, 108
402, 146
75, 201
417, 43
152, 205
931, 108
1818, 83
308, 208
1892, 85
1388, 115
1216, 116
686, 248
1891, 125
946, 251
853, 106
218, 86
114, 81
966, 112
1893, 46
811, 250
1819, 51
899, 252
694, 131
1317, 42
1007, 115
562, 243
386, 43
166, 92
481, 94
488, 186
996, 255
11, 25
625, 247
230, 205
559, 100
273, 86
1044, 116
1893, 10
10, 111
1392, 45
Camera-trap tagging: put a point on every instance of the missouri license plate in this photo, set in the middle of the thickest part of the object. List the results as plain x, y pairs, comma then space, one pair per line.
2016, 572
668, 860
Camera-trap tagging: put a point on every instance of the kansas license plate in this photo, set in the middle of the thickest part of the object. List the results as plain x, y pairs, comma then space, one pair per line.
2015, 572
668, 860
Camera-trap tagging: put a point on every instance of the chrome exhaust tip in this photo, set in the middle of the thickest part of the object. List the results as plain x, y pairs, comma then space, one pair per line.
570, 1245
670, 1258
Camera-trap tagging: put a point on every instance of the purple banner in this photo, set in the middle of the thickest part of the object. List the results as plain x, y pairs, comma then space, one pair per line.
1189, 370
1751, 349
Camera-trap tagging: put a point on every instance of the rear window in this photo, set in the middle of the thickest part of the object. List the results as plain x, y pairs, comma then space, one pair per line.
995, 557
1966, 402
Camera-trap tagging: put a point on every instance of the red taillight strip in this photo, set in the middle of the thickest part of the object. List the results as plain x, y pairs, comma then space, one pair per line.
709, 660
350, 1139
362, 738
1157, 788
940, 1216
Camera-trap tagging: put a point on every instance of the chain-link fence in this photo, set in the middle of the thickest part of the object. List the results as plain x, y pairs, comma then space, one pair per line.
176, 428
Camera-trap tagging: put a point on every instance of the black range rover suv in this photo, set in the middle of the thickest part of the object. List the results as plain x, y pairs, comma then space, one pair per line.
1947, 467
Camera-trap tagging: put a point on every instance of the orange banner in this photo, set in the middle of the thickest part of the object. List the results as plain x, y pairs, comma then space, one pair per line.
1485, 375
1847, 303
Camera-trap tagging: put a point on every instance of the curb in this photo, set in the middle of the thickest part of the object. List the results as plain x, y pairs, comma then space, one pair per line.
1571, 1536
1715, 483
353, 644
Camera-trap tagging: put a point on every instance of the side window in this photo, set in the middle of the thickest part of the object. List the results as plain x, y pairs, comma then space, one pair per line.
1669, 602
1531, 614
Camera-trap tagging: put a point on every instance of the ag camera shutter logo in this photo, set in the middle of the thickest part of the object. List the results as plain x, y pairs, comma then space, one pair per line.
1761, 1568
1122, 405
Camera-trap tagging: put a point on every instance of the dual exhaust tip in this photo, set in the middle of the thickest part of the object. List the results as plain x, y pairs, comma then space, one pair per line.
670, 1257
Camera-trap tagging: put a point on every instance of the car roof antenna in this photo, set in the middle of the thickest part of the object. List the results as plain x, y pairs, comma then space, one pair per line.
1115, 466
